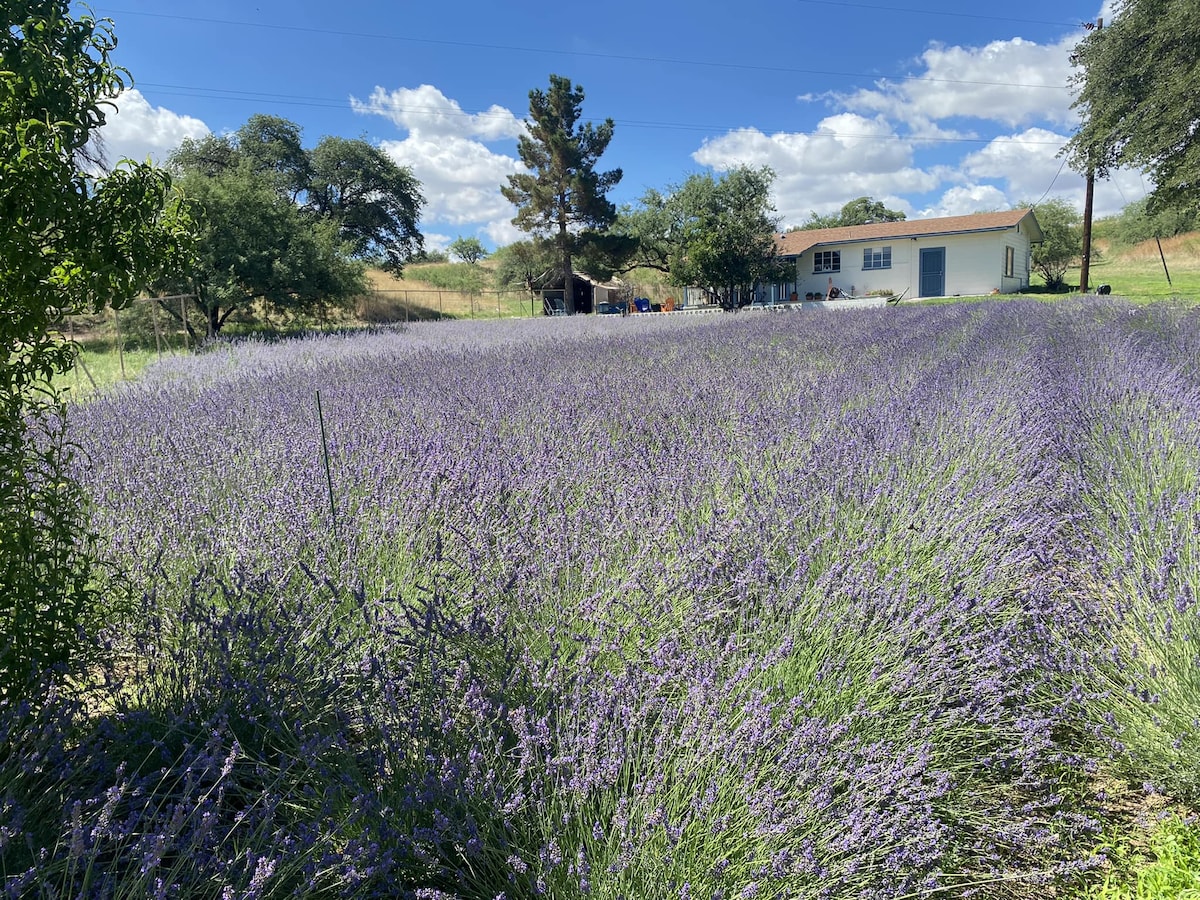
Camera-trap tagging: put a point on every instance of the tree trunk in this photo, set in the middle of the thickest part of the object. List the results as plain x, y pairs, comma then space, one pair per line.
568, 279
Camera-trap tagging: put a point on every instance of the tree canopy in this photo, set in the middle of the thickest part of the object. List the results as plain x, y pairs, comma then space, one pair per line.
1136, 223
69, 241
655, 227
860, 211
716, 233
528, 264
283, 225
256, 245
1137, 87
468, 249
1062, 229
562, 198
374, 202
272, 146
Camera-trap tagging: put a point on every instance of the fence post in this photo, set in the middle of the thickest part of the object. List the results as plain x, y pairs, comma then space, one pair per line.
78, 352
183, 318
120, 342
157, 338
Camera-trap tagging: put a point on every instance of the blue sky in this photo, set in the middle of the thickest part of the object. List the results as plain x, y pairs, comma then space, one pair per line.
935, 107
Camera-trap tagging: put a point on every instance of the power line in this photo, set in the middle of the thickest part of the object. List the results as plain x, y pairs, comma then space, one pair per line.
544, 51
938, 12
1052, 180
176, 90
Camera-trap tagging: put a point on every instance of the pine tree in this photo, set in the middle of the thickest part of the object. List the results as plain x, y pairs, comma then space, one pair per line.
562, 197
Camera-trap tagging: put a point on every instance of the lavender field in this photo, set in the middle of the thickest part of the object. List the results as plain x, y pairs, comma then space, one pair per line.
858, 604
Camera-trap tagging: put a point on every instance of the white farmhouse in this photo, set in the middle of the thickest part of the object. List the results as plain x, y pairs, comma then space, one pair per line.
956, 256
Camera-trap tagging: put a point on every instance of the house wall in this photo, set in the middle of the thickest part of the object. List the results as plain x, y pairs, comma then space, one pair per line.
974, 265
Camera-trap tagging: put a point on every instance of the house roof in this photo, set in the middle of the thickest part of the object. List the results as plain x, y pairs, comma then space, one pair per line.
796, 242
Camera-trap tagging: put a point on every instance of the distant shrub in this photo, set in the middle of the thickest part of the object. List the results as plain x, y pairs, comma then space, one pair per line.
1136, 223
431, 256
462, 277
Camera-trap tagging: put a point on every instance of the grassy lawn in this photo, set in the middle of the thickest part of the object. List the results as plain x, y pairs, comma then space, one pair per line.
101, 368
1157, 861
1138, 272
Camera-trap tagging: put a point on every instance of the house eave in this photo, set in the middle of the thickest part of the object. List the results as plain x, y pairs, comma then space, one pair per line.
901, 237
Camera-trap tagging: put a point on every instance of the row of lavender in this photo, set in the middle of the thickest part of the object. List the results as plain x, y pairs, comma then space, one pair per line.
846, 604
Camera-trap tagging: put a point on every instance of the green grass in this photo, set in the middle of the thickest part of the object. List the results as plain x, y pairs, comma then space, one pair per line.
103, 367
1163, 864
462, 277
1138, 272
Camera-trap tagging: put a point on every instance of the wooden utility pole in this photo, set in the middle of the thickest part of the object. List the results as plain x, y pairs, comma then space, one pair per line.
1086, 259
1085, 262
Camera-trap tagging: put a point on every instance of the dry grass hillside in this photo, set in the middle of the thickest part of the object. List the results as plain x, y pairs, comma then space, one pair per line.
438, 291
458, 290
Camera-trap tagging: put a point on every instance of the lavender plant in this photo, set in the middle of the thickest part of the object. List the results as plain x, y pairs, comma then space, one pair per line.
1144, 529
832, 605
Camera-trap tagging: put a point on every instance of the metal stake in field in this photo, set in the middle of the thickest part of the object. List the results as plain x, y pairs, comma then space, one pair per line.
328, 474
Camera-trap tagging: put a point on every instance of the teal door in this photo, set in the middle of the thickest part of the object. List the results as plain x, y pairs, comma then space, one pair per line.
933, 272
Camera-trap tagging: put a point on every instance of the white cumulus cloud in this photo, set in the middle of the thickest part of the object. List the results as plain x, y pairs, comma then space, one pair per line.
964, 200
426, 110
138, 130
847, 156
447, 150
1014, 82
1026, 161
975, 127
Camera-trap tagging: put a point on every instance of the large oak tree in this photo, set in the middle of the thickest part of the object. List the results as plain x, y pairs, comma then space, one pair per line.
256, 246
374, 202
710, 232
1138, 91
859, 211
284, 226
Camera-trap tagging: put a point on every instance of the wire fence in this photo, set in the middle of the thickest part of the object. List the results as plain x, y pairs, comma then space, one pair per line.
154, 328
403, 305
149, 329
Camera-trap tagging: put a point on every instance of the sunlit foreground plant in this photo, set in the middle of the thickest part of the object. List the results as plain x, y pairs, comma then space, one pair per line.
69, 242
775, 606
1167, 866
1144, 519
